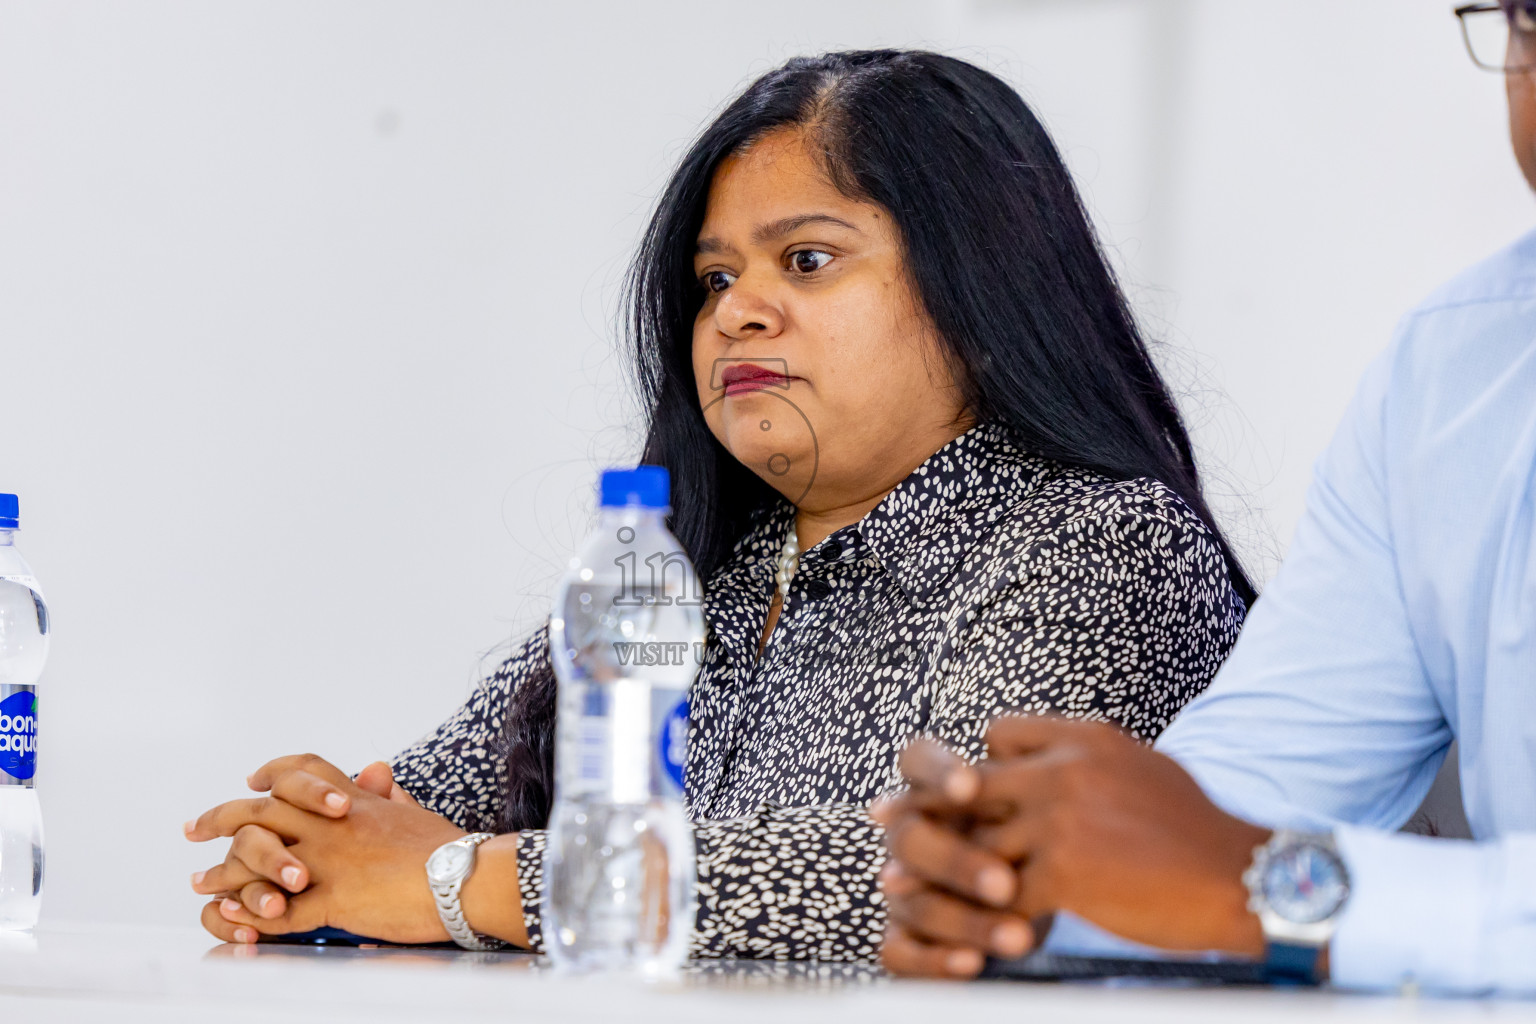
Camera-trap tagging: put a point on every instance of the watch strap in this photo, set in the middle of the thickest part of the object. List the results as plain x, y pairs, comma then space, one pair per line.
1288, 963
451, 910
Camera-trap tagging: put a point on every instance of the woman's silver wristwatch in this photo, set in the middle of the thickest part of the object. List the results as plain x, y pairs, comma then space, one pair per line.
447, 868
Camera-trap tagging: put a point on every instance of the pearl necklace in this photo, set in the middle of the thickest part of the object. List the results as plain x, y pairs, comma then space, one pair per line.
789, 561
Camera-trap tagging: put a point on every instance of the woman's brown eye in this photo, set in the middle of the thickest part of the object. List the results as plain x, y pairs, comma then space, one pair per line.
717, 281
807, 261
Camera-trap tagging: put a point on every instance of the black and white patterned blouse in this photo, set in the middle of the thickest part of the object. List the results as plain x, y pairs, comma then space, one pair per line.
989, 581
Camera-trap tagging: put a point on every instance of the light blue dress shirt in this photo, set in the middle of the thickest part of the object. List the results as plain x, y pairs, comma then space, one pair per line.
1405, 615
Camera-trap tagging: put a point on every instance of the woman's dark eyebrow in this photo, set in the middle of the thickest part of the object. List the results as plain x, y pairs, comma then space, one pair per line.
780, 228
776, 229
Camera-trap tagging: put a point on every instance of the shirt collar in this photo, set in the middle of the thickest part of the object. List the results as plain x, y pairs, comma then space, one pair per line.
920, 530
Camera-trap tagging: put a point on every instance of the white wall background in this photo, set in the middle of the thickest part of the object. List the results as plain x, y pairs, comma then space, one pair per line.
306, 319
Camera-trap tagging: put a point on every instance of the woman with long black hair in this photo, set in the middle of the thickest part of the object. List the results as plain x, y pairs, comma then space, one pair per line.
928, 472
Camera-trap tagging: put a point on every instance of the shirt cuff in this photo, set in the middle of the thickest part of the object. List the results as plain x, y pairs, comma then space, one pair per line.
1416, 912
530, 883
1071, 935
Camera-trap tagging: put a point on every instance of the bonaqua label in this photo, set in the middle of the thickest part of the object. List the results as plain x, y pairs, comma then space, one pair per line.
18, 735
672, 742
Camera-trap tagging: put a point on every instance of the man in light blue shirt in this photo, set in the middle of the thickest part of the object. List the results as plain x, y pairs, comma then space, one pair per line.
1404, 617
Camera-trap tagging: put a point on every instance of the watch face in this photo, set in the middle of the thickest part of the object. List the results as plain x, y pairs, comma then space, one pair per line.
1305, 883
448, 863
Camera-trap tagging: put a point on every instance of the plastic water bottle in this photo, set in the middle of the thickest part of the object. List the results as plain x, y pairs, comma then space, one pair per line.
23, 649
625, 637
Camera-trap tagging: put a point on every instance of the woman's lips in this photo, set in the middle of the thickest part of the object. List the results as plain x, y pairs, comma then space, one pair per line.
746, 377
741, 387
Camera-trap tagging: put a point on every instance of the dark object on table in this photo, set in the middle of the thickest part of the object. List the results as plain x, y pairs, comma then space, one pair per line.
1056, 967
339, 937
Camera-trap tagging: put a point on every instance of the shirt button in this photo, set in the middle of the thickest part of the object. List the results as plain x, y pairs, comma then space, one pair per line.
834, 551
816, 590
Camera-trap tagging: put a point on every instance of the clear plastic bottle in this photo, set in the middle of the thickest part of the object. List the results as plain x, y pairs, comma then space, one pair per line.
625, 637
23, 649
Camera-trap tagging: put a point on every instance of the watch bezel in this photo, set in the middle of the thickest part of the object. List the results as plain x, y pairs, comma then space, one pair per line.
1279, 884
1271, 856
450, 863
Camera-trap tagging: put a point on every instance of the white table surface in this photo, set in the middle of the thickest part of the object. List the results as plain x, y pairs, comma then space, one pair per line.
128, 975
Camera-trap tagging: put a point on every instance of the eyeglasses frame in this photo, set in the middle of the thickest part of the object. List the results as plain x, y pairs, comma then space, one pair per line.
1466, 36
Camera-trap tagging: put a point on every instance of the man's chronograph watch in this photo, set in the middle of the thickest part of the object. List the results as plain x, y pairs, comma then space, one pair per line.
1298, 886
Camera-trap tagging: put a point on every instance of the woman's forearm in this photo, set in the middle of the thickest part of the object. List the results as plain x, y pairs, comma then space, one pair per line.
490, 897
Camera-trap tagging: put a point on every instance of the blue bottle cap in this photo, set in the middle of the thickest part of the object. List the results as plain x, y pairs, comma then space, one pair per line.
10, 512
647, 486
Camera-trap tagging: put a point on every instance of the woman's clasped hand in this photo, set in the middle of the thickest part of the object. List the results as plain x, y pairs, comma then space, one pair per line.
320, 850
